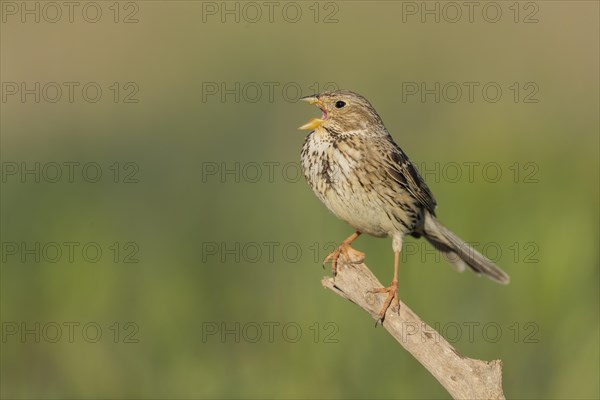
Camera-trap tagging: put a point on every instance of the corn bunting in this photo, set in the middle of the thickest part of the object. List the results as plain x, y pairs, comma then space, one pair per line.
363, 177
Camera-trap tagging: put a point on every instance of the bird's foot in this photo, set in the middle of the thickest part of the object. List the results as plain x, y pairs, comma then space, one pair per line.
392, 297
350, 254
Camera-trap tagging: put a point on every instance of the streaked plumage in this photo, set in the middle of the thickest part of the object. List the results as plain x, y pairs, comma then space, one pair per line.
363, 177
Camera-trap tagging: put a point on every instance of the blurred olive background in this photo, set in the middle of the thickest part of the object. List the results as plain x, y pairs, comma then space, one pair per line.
202, 234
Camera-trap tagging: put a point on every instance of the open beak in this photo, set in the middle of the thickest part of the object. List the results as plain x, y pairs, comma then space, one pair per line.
314, 123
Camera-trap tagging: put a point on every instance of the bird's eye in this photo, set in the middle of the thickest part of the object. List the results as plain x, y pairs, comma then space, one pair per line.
339, 104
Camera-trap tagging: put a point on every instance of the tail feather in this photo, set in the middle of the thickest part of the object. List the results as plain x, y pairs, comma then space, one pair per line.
458, 253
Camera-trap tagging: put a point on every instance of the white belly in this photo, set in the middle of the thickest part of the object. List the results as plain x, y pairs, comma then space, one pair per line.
333, 177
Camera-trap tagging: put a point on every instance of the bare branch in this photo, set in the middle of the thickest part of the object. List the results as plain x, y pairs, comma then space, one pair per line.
462, 377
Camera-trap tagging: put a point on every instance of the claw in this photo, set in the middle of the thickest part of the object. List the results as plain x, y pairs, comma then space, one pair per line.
392, 296
351, 255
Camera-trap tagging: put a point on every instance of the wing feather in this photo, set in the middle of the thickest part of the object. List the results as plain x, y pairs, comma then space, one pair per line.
402, 170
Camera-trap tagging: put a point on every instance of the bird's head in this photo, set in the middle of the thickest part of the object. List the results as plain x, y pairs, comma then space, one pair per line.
343, 111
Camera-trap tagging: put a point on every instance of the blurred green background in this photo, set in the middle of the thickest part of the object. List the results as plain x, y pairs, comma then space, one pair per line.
205, 196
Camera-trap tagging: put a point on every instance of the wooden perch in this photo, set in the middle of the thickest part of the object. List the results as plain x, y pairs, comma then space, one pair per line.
462, 377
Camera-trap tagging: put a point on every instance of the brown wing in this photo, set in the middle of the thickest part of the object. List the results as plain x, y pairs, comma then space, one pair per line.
405, 174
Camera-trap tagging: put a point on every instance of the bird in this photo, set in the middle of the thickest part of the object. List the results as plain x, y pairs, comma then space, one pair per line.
363, 177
